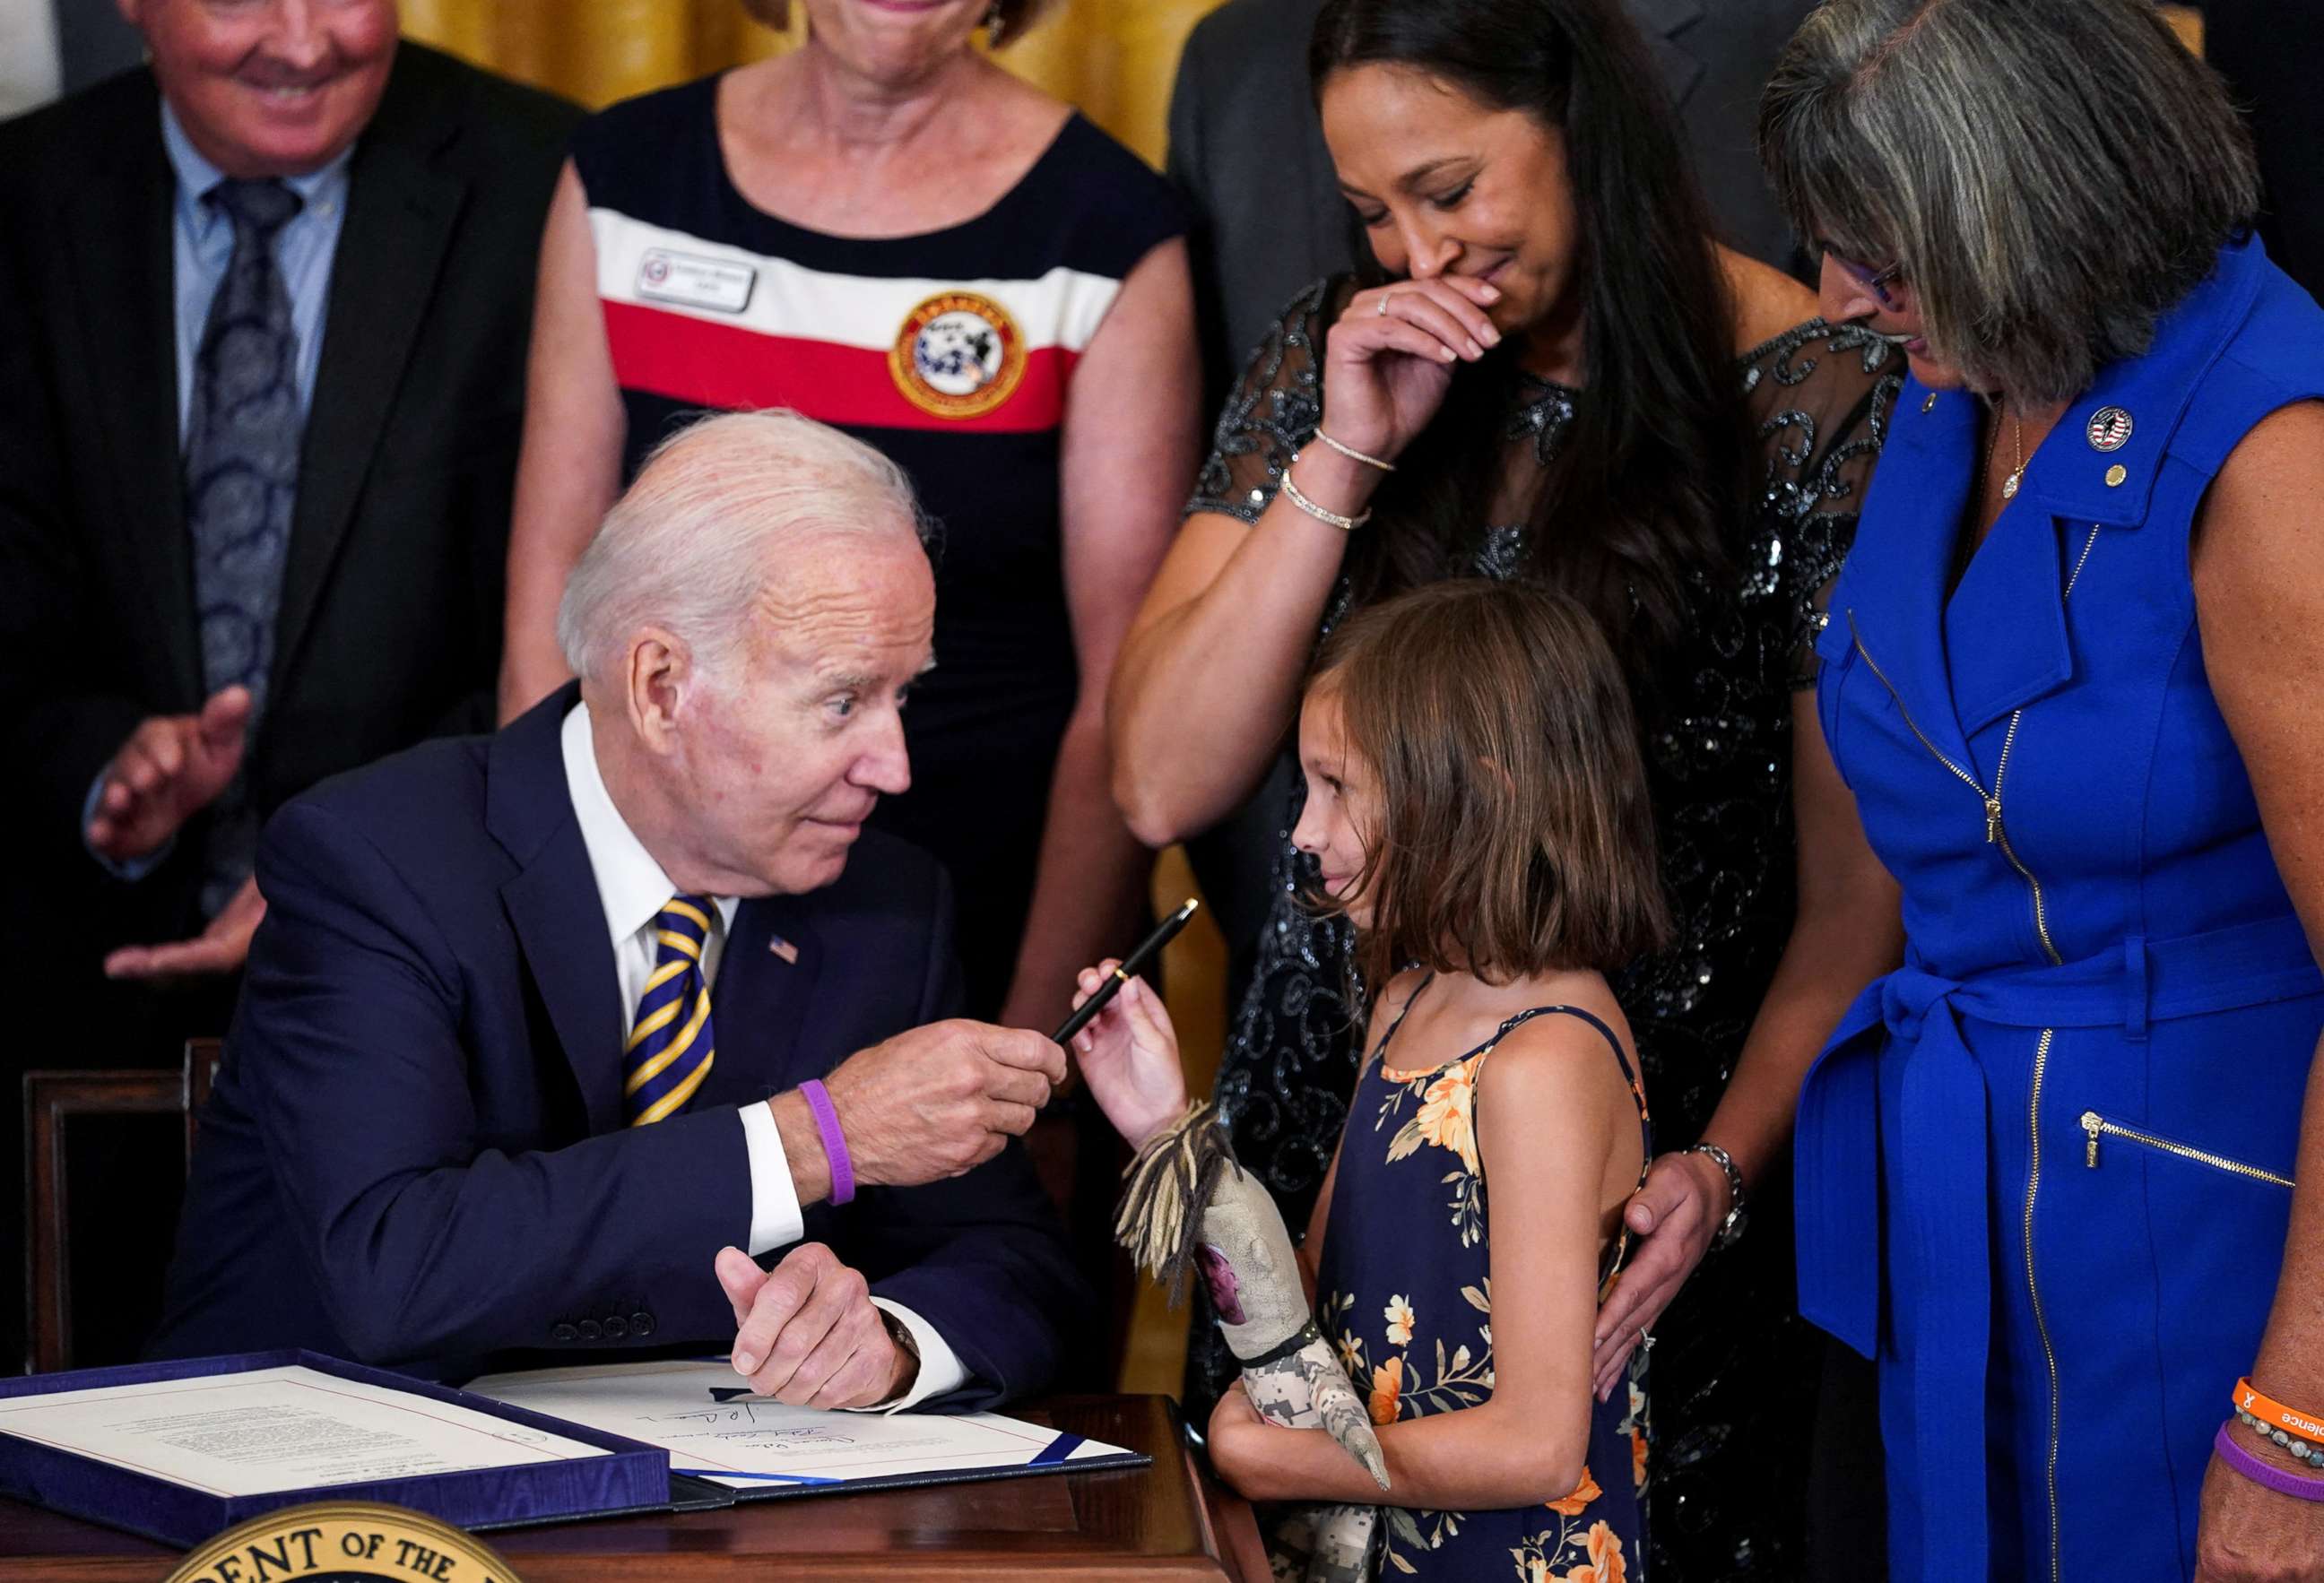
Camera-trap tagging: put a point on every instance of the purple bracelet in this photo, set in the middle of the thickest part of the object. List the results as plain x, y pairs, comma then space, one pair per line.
2268, 1473
834, 1144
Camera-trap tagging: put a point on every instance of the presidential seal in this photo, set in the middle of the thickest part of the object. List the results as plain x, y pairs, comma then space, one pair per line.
959, 356
343, 1541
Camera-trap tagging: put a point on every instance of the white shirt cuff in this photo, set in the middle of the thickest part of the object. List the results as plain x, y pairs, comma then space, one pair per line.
940, 1369
774, 1218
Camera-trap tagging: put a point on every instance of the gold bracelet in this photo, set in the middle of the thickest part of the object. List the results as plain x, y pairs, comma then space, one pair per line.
1344, 524
1353, 454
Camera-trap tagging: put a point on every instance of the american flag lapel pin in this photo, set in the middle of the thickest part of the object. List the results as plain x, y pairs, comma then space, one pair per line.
784, 949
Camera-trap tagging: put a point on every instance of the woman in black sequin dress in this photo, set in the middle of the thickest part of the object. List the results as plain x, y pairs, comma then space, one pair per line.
1571, 381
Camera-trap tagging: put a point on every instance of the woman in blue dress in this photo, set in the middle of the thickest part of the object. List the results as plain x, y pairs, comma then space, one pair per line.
2071, 677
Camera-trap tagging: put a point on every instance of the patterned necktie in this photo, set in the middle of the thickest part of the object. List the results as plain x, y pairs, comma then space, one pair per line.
242, 431
670, 1048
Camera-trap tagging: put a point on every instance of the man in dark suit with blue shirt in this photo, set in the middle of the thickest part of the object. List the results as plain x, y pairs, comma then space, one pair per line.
265, 302
547, 1037
264, 307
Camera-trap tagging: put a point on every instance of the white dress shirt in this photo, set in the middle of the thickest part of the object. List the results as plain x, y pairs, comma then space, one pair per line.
634, 891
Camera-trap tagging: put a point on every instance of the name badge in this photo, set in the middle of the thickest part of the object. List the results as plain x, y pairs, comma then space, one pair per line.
693, 281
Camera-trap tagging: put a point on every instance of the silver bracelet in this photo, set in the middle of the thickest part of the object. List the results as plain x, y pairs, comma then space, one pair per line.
1353, 454
1731, 1226
1344, 524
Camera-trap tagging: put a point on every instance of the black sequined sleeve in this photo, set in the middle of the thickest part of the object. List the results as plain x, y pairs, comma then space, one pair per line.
1821, 398
1273, 409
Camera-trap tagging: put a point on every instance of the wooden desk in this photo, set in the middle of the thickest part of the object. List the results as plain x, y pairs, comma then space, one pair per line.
1154, 1523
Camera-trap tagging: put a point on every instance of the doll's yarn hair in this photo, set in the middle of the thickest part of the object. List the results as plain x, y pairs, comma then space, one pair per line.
1165, 1189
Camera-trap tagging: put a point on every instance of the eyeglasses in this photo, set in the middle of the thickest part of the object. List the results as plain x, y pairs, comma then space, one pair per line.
1875, 282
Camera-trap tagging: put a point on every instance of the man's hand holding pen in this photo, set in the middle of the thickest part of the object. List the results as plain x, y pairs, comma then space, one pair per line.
940, 1100
926, 1105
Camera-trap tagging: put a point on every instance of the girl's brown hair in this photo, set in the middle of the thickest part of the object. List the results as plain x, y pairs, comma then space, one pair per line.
1514, 834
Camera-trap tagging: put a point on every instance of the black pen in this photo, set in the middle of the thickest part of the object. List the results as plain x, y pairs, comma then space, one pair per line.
1132, 965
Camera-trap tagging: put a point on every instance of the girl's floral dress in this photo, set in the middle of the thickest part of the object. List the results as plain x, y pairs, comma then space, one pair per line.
1406, 1293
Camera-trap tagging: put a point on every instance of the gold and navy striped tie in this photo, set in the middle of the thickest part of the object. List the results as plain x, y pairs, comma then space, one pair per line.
670, 1048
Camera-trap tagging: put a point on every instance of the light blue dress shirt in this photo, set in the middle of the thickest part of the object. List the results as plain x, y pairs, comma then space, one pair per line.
201, 246
202, 240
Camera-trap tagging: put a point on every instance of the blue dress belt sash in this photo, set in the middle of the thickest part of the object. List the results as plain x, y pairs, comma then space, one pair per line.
1939, 1150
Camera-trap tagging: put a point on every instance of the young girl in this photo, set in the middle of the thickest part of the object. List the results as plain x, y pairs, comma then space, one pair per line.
1477, 807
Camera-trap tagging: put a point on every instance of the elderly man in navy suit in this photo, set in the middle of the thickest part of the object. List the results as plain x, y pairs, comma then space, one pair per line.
548, 1037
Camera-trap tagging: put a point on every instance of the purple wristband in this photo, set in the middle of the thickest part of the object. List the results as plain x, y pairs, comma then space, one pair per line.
2295, 1485
834, 1141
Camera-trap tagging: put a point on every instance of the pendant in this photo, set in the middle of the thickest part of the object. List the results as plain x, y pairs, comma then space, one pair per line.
2009, 485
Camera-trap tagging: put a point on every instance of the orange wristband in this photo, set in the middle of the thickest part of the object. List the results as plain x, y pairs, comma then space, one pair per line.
2297, 1433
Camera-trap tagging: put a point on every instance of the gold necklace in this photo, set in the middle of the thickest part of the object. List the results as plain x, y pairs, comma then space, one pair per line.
2018, 445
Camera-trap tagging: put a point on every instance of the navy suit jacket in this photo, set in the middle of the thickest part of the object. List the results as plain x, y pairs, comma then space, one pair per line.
415, 1154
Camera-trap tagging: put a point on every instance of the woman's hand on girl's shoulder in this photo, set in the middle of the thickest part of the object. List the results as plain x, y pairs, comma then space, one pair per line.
1128, 1056
1673, 1218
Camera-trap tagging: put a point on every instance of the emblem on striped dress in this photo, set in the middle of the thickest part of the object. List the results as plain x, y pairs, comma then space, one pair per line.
958, 355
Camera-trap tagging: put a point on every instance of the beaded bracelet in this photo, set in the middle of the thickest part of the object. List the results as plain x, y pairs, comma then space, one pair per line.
2296, 1432
2299, 1485
1344, 524
1353, 454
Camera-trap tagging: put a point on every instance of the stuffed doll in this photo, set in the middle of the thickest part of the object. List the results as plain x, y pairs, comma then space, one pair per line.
1189, 1205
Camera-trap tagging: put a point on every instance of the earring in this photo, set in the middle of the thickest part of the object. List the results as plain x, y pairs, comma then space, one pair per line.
995, 23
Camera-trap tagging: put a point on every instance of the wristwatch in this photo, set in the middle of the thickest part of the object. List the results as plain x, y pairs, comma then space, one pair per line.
900, 1334
1731, 1226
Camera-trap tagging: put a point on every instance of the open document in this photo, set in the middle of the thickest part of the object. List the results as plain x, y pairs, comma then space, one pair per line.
715, 1428
277, 1429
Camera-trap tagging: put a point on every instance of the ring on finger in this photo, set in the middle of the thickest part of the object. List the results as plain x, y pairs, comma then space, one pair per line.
1646, 1340
1383, 302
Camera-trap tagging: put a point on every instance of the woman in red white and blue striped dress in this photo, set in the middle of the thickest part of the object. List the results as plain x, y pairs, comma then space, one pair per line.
890, 233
